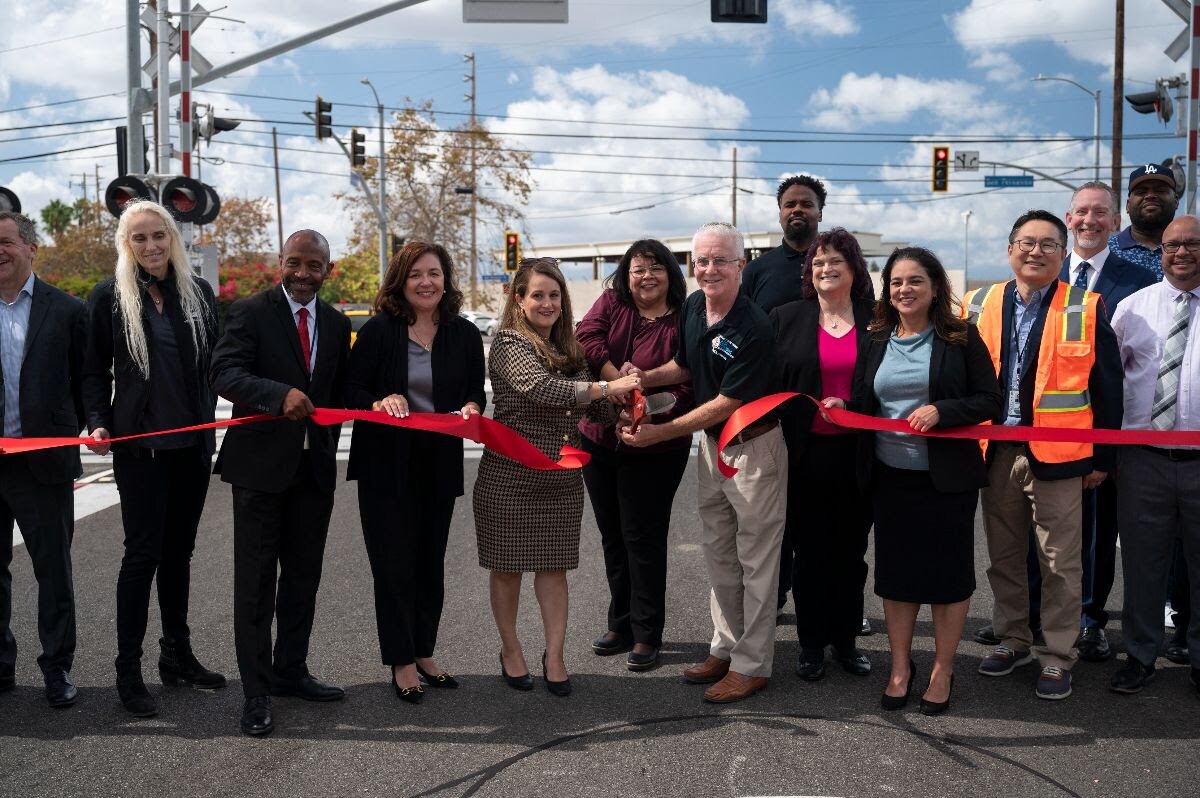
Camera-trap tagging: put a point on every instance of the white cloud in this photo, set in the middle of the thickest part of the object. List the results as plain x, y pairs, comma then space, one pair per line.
814, 18
874, 99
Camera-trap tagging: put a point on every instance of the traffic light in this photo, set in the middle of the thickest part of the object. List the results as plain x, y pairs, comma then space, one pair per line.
739, 10
512, 251
941, 168
323, 119
124, 190
1157, 102
9, 201
209, 124
358, 148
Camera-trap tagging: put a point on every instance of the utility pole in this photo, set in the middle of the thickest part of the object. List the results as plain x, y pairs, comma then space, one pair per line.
97, 186
1118, 95
734, 194
470, 58
278, 196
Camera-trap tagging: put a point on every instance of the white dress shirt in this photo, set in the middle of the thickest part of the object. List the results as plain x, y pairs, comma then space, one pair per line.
1141, 323
1096, 264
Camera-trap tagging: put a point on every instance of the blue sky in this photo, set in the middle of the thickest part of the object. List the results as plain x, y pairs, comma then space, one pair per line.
649, 98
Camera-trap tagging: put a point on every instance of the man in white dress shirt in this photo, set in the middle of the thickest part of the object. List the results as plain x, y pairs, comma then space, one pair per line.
1159, 333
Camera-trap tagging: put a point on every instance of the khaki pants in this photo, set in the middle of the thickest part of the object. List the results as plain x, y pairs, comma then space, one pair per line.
742, 521
1013, 500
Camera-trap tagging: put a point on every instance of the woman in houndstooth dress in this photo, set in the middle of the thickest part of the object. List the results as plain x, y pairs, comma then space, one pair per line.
528, 520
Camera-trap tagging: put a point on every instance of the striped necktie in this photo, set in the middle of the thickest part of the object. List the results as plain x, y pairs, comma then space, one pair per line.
1081, 278
1166, 389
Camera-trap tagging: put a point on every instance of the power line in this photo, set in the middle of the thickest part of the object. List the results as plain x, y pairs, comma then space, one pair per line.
56, 152
60, 102
63, 39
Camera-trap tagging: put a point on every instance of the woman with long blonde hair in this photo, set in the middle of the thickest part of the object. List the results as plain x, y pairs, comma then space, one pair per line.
152, 331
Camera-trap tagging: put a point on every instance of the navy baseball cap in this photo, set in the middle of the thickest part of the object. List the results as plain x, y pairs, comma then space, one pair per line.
1151, 171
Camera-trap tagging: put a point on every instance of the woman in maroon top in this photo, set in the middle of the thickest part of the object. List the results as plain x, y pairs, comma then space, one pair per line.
827, 519
635, 322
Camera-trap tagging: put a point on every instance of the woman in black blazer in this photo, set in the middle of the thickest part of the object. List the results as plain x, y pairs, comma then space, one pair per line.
816, 342
415, 355
152, 331
924, 364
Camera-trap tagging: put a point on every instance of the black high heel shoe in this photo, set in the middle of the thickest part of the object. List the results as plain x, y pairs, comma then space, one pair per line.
937, 707
515, 682
411, 695
894, 702
561, 689
442, 680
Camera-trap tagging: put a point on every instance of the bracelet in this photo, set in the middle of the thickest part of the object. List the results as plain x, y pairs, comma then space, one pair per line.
603, 389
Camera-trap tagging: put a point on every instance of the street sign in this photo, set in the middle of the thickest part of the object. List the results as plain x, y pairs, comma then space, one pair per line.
1179, 46
1008, 181
966, 161
494, 278
515, 11
200, 65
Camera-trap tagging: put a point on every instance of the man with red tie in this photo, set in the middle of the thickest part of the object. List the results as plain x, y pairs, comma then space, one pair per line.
283, 353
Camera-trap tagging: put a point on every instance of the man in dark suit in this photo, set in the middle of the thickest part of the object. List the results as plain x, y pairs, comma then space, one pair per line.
41, 354
283, 353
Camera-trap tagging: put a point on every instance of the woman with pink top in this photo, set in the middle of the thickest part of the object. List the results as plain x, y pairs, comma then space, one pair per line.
828, 519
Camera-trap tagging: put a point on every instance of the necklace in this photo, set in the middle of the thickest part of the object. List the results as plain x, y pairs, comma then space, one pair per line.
428, 347
833, 320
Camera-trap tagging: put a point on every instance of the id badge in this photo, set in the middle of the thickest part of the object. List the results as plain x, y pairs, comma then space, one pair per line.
1014, 403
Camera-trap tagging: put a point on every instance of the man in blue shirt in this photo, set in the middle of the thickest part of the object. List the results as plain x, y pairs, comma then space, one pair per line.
1151, 206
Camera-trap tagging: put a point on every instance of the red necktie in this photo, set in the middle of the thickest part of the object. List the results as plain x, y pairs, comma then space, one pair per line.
305, 339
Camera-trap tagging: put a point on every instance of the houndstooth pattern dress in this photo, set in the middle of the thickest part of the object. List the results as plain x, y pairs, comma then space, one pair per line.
528, 520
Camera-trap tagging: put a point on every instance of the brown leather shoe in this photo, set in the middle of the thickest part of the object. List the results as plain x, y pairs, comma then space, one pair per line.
734, 687
711, 670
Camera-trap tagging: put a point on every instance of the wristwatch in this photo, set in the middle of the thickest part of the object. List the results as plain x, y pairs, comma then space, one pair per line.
603, 389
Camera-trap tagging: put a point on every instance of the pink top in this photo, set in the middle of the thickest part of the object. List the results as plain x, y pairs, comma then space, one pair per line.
837, 373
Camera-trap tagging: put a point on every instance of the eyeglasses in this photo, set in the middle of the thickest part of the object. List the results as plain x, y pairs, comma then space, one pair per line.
657, 269
1173, 246
720, 263
1047, 247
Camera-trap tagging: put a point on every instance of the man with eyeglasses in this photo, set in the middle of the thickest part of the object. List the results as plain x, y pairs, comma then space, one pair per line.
1159, 333
1151, 205
1057, 363
726, 350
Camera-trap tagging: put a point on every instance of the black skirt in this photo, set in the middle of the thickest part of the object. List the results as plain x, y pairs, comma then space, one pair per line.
924, 539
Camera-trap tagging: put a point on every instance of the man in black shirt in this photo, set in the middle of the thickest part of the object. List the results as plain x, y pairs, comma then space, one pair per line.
726, 351
774, 278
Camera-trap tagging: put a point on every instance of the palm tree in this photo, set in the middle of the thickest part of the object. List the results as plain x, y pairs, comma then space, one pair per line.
57, 216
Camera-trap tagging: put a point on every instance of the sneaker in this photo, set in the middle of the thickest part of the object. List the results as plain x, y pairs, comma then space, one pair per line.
1004, 660
986, 636
1053, 683
1093, 645
1131, 678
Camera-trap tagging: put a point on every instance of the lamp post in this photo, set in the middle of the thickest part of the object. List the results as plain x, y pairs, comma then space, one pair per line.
383, 231
967, 249
1096, 127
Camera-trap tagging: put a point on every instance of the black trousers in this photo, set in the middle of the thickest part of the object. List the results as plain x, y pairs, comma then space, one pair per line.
287, 531
830, 521
631, 493
46, 515
405, 536
162, 499
1179, 591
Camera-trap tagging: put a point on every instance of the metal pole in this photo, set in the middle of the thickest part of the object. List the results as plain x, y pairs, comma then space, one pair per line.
1193, 108
1118, 93
134, 135
185, 104
1096, 143
966, 249
734, 194
164, 90
382, 213
278, 196
474, 200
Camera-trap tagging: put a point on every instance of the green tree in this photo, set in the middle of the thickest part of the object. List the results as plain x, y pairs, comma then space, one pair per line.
242, 231
354, 278
82, 254
57, 217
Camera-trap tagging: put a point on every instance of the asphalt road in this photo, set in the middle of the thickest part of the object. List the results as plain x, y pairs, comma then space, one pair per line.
620, 734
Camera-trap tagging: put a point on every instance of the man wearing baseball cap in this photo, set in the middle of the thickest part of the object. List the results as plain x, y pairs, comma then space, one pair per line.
1151, 206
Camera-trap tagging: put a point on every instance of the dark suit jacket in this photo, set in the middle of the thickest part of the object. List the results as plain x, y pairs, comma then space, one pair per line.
963, 388
108, 361
51, 401
255, 363
1105, 385
798, 363
1118, 279
379, 454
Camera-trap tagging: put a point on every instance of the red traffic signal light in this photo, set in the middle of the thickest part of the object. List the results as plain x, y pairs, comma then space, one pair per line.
512, 251
941, 168
190, 200
123, 191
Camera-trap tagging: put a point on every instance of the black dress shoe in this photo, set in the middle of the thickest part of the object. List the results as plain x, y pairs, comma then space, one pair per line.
986, 636
256, 716
8, 677
411, 695
811, 665
1132, 677
561, 689
853, 661
937, 707
133, 693
1093, 645
1177, 652
442, 681
60, 690
523, 683
894, 702
178, 666
308, 687
611, 643
643, 661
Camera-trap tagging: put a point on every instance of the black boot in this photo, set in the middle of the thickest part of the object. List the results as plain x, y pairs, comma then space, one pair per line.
177, 665
132, 690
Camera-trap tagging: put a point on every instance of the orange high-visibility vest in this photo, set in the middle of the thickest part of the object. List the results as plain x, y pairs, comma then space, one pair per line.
1065, 359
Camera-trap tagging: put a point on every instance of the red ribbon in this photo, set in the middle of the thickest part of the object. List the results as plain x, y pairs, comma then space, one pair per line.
751, 412
492, 434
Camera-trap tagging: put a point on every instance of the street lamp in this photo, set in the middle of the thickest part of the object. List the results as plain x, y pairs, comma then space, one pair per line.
383, 236
967, 249
1096, 127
